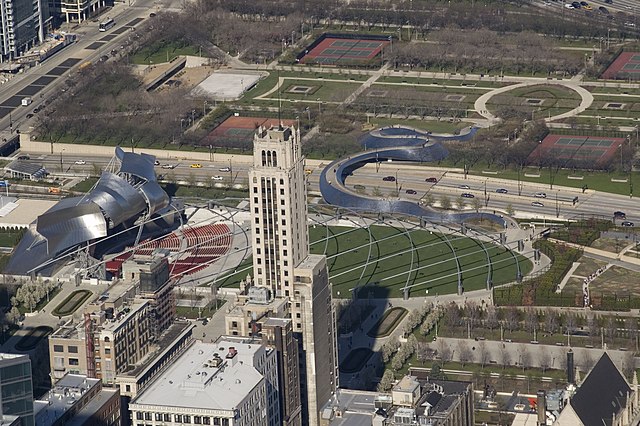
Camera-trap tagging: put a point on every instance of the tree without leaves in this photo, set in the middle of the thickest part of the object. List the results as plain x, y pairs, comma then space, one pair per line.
544, 359
483, 354
531, 320
464, 352
512, 319
445, 202
491, 320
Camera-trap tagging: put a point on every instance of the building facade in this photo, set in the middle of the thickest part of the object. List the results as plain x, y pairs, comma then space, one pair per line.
16, 388
282, 264
232, 382
113, 335
278, 333
22, 26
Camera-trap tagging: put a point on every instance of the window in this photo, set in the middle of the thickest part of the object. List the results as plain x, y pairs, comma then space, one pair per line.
58, 348
284, 222
74, 361
234, 324
138, 415
167, 417
284, 243
257, 221
178, 418
197, 420
158, 417
147, 416
298, 315
186, 419
206, 421
72, 349
107, 351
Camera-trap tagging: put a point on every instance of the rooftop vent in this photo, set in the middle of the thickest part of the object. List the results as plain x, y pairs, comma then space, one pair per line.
232, 352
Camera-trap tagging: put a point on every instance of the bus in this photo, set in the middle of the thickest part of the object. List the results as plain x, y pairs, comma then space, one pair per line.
104, 26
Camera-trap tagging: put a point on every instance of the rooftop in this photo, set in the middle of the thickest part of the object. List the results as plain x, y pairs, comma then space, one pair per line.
62, 397
603, 393
205, 378
123, 315
407, 384
92, 407
163, 344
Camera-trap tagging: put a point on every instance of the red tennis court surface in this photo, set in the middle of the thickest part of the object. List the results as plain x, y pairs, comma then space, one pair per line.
576, 150
331, 50
239, 130
626, 65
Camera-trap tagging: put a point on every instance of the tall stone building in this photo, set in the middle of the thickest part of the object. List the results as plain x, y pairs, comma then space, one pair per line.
284, 268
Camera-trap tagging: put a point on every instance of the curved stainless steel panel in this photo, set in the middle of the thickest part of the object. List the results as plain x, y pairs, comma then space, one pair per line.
155, 195
117, 198
67, 227
388, 143
140, 165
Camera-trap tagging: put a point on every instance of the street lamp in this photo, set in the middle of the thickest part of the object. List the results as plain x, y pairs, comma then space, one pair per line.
61, 169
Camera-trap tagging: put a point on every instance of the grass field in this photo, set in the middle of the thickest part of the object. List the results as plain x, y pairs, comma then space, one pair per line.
420, 259
158, 53
71, 303
617, 280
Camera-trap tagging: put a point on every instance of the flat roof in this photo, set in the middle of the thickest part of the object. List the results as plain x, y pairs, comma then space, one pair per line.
165, 341
64, 395
27, 212
122, 316
190, 383
92, 407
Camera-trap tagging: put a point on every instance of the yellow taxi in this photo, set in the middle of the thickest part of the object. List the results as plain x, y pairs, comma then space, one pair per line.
196, 166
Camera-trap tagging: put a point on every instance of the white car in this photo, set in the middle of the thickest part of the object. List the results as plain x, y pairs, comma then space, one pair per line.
217, 178
168, 166
537, 204
540, 195
569, 6
81, 162
225, 169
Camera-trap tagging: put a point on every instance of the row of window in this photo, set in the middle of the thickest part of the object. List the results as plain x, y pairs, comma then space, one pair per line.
70, 349
182, 418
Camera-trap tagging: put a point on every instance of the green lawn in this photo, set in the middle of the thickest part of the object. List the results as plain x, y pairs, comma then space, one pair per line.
424, 263
159, 53
85, 185
599, 181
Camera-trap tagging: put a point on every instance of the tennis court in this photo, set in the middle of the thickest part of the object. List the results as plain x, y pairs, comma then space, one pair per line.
238, 131
626, 65
332, 50
583, 150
